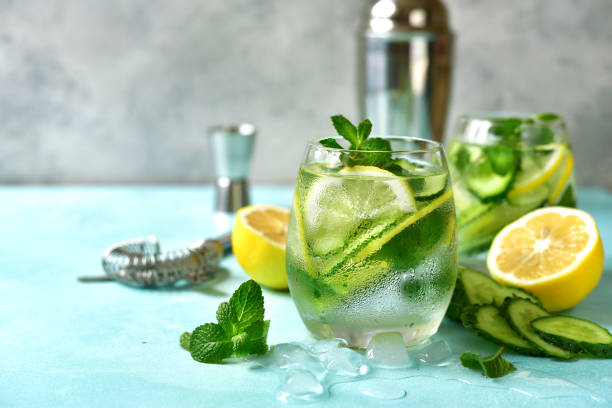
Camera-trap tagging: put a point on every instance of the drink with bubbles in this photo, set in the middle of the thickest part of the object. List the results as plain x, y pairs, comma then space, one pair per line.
373, 248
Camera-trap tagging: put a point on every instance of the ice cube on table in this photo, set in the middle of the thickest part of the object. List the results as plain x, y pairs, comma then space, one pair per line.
295, 356
325, 345
300, 385
436, 353
388, 350
342, 362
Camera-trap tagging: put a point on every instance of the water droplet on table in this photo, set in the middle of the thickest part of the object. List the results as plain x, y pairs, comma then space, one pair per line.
381, 389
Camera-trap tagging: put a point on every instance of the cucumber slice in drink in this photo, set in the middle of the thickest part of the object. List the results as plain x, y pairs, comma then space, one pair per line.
485, 183
426, 188
362, 266
343, 212
576, 335
479, 233
532, 199
424, 182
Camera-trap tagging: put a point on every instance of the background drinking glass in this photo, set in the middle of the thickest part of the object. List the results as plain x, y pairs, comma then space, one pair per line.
504, 166
372, 248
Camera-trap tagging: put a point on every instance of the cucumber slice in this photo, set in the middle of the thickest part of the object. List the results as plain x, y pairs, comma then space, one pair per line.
425, 182
487, 321
477, 288
512, 292
481, 231
532, 199
520, 313
568, 199
469, 207
575, 335
426, 188
484, 182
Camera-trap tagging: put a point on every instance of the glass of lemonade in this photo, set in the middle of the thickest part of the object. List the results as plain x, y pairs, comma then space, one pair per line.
504, 166
372, 248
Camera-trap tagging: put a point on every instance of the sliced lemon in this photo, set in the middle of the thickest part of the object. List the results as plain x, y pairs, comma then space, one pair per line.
336, 208
258, 241
555, 253
562, 183
527, 181
377, 243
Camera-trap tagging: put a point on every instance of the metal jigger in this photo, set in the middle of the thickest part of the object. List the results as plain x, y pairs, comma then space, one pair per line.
232, 146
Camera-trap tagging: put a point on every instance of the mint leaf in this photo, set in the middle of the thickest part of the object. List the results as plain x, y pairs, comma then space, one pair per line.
494, 366
210, 344
258, 333
504, 159
240, 330
241, 344
462, 158
248, 304
508, 129
377, 144
370, 151
330, 142
547, 117
346, 129
185, 339
252, 340
226, 316
363, 131
377, 157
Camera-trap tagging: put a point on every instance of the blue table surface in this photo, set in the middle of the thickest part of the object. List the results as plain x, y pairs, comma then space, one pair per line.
65, 343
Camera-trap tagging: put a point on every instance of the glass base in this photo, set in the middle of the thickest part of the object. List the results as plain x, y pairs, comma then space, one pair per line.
359, 337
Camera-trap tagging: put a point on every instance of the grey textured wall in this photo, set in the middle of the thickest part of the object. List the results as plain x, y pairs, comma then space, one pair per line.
123, 90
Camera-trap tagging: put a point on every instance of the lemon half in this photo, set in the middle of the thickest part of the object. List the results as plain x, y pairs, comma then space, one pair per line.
258, 242
555, 253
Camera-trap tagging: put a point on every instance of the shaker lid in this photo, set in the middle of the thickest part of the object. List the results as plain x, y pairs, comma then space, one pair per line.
385, 17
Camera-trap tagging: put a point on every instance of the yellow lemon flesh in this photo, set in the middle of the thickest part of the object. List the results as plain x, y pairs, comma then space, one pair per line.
555, 253
258, 242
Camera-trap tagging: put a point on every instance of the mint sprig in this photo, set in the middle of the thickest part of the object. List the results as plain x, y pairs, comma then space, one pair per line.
241, 329
494, 366
372, 151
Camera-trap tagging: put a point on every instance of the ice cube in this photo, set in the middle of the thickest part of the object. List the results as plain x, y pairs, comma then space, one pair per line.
388, 350
325, 345
342, 362
295, 356
437, 353
299, 385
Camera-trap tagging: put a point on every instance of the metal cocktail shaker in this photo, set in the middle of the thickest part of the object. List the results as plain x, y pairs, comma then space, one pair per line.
405, 61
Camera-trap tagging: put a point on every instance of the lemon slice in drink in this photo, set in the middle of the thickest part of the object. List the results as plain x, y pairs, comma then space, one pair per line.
562, 183
344, 211
555, 253
537, 174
